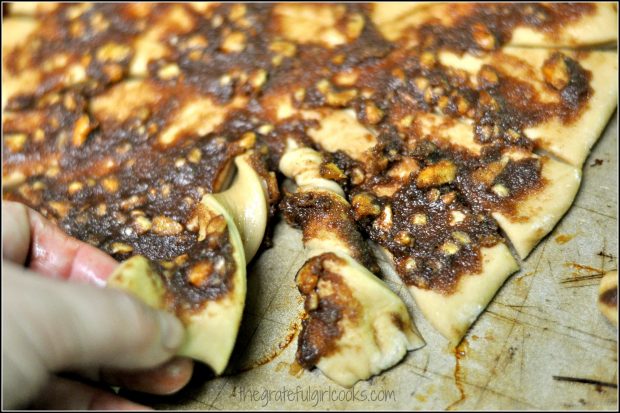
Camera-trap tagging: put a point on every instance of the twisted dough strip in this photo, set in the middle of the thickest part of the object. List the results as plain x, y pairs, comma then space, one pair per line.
356, 326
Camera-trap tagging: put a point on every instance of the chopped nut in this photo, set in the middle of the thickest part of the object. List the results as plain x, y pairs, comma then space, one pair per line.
101, 209
433, 195
38, 185
77, 28
462, 105
338, 59
448, 198
69, 102
247, 140
421, 83
219, 264
347, 78
165, 190
110, 184
132, 202
258, 79
384, 221
340, 98
364, 204
234, 43
179, 162
373, 113
74, 187
406, 121
60, 207
39, 135
15, 142
216, 226
120, 248
283, 48
99, 23
142, 224
181, 259
443, 172
169, 71
265, 129
555, 71
299, 94
428, 96
403, 169
323, 86
404, 238
237, 11
449, 248
200, 272
331, 171
357, 176
355, 26
33, 196
483, 36
124, 148
513, 135
488, 173
217, 21
443, 103
312, 301
410, 264
81, 130
13, 179
487, 76
500, 190
113, 52
419, 219
461, 237
163, 225
428, 60
456, 217
194, 155
52, 171
113, 71
225, 80
197, 41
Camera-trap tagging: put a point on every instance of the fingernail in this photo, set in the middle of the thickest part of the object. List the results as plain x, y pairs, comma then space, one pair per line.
172, 332
175, 367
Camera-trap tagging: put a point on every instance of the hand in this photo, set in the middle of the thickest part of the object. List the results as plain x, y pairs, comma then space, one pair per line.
54, 322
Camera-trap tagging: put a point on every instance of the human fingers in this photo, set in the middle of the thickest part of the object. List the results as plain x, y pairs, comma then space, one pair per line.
52, 326
166, 379
64, 394
52, 252
15, 232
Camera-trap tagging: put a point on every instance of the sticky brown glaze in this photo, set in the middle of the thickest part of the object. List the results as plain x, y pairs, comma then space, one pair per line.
483, 27
325, 311
431, 209
101, 178
120, 191
321, 213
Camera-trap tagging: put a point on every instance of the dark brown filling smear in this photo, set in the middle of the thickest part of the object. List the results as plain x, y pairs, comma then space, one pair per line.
109, 205
610, 297
322, 326
120, 192
485, 27
318, 212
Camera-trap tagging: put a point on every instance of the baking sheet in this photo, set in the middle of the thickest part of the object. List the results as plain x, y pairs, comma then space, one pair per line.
544, 322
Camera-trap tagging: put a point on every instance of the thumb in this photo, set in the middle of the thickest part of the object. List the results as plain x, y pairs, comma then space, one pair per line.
70, 325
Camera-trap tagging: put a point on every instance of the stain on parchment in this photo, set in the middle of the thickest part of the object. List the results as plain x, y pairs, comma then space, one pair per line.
460, 352
564, 238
